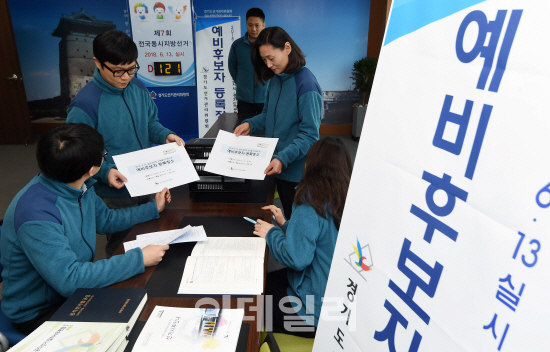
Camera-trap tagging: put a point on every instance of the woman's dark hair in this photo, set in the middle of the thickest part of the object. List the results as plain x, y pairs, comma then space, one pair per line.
276, 37
115, 47
324, 184
68, 151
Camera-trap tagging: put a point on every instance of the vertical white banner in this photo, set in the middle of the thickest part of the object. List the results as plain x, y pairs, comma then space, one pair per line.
215, 88
445, 234
163, 33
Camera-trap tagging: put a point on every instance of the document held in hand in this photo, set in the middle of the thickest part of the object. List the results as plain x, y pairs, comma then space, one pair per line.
240, 157
150, 170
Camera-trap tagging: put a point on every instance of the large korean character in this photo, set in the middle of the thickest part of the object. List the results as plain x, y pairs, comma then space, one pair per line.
492, 326
416, 281
388, 334
493, 29
507, 296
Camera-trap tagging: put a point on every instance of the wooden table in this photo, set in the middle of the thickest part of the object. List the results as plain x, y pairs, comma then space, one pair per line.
182, 205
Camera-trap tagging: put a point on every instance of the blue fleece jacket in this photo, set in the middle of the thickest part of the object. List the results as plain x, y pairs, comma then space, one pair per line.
307, 250
126, 118
292, 112
242, 72
48, 245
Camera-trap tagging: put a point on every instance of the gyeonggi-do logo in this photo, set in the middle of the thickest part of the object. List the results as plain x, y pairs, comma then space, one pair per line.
360, 259
262, 145
169, 151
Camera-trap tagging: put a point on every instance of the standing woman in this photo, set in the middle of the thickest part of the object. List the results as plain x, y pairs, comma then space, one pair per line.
305, 244
292, 111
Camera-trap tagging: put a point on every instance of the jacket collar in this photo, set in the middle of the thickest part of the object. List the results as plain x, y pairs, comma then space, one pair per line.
64, 190
104, 85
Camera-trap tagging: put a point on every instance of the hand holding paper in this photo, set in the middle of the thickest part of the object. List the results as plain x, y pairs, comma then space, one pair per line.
241, 157
153, 169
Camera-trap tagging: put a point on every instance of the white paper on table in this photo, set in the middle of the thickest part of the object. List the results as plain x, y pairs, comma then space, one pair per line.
165, 237
241, 157
150, 170
175, 329
231, 247
223, 275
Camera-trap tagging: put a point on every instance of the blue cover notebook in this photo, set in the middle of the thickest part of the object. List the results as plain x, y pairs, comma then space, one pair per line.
102, 305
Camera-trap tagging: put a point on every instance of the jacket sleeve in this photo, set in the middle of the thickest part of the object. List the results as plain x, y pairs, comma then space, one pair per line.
114, 220
157, 132
257, 123
48, 249
77, 115
310, 111
297, 249
232, 63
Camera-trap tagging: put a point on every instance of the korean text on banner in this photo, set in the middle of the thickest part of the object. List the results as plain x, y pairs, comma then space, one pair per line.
216, 90
163, 33
442, 242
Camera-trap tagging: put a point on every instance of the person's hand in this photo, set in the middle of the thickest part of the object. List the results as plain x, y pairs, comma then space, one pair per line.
242, 130
262, 228
173, 138
274, 167
161, 198
152, 254
277, 213
116, 179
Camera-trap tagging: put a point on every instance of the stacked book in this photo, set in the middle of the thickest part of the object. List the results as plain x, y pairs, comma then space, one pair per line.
96, 319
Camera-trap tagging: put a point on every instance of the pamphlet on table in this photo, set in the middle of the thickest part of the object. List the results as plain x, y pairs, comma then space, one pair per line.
95, 319
151, 170
241, 157
190, 329
225, 265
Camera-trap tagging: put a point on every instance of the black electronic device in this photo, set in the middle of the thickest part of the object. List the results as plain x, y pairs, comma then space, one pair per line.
199, 150
167, 68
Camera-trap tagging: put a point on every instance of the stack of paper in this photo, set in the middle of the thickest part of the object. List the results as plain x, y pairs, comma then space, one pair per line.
92, 319
225, 265
187, 234
190, 329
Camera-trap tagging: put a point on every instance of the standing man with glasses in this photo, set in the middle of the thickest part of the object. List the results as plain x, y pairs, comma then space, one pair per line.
118, 105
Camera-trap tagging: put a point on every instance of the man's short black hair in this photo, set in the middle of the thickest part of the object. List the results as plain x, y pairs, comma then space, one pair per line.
255, 12
68, 151
115, 47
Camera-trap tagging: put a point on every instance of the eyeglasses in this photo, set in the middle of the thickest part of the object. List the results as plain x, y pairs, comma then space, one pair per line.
119, 73
105, 153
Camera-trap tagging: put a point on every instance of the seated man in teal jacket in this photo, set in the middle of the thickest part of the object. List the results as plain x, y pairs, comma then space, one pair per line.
118, 105
250, 96
49, 232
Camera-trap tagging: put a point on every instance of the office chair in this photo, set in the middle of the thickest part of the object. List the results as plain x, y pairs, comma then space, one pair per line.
9, 335
277, 342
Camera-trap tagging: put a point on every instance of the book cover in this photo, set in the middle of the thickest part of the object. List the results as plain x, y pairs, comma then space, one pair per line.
190, 329
103, 305
58, 336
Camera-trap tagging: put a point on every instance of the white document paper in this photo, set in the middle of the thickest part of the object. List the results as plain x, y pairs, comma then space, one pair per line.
241, 157
150, 170
190, 329
225, 265
187, 234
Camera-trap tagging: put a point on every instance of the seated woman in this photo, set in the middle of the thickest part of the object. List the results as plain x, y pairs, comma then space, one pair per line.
49, 233
305, 244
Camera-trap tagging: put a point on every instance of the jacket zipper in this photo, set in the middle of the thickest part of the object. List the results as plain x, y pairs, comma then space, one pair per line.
132, 118
82, 224
277, 104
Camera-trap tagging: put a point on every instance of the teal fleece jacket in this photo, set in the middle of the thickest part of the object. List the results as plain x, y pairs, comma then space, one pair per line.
307, 250
242, 72
48, 245
126, 118
292, 112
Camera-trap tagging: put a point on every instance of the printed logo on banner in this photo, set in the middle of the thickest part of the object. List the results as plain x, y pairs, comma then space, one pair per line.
153, 94
360, 259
